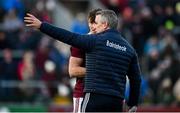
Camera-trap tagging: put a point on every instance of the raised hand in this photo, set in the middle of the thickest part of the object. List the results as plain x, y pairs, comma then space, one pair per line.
32, 21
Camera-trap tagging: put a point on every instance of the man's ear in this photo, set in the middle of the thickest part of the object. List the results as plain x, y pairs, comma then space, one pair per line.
105, 25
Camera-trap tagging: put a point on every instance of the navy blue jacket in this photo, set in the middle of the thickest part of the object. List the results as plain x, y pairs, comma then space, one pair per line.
109, 59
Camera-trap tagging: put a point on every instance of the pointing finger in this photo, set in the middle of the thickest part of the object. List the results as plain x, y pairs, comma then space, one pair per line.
28, 18
30, 15
28, 21
29, 25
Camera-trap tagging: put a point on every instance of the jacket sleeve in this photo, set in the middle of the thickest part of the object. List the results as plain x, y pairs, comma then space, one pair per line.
85, 42
134, 76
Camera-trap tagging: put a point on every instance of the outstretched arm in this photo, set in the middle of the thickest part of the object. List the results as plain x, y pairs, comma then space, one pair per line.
86, 42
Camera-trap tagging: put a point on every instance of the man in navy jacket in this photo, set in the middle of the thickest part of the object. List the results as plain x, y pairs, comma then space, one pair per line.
109, 59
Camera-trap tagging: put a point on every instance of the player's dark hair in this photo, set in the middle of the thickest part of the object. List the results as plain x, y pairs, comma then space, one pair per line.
92, 15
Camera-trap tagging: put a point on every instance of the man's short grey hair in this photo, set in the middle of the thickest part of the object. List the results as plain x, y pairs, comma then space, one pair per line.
110, 17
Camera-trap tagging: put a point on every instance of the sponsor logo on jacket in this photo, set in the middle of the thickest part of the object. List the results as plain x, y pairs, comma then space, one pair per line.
115, 46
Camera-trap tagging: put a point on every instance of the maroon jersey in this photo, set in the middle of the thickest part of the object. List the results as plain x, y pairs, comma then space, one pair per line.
79, 86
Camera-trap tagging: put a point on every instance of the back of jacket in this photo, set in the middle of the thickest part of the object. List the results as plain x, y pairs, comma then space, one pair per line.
108, 64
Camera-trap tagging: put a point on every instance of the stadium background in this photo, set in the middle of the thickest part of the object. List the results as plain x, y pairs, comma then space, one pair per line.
33, 68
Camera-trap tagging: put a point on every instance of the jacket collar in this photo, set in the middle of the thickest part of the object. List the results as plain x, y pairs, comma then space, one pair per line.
109, 30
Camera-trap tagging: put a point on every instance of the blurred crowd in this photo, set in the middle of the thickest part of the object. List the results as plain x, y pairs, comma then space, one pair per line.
33, 68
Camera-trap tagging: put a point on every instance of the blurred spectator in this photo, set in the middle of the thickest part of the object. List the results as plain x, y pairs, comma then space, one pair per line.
46, 17
168, 40
59, 55
79, 25
8, 67
176, 92
164, 76
176, 31
4, 43
137, 31
11, 21
128, 14
177, 12
116, 5
165, 95
8, 5
169, 77
41, 56
170, 18
2, 13
27, 39
26, 73
26, 69
147, 22
152, 50
50, 78
172, 71
159, 14
8, 73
